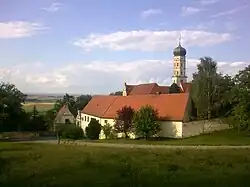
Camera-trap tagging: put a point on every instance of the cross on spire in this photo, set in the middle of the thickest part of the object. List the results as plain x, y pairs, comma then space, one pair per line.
180, 37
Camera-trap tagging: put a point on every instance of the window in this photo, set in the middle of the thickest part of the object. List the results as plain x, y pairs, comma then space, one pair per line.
84, 118
67, 121
105, 121
88, 119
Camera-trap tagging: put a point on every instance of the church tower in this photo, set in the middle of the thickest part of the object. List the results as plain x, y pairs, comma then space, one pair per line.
179, 70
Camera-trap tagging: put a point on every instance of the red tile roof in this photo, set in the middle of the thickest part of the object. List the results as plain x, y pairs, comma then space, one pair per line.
170, 106
143, 89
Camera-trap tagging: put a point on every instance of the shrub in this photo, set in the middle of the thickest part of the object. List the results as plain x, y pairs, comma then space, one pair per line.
93, 129
107, 130
72, 132
113, 135
145, 122
123, 120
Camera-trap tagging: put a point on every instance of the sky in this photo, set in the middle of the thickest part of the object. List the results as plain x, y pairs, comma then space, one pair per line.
95, 46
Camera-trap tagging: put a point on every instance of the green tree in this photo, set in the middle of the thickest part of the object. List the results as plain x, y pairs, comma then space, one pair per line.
206, 88
223, 104
107, 130
240, 99
66, 100
35, 112
145, 122
174, 88
82, 101
93, 129
74, 104
11, 111
36, 121
49, 118
123, 120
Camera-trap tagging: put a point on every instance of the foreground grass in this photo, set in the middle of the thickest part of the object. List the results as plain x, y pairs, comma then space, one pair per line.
227, 137
59, 165
41, 107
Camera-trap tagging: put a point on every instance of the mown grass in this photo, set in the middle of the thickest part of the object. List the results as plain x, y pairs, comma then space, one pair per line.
60, 165
41, 107
226, 137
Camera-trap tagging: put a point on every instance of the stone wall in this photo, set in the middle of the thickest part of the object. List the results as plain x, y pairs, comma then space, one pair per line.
195, 128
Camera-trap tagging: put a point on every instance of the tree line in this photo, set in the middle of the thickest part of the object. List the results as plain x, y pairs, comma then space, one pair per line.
13, 117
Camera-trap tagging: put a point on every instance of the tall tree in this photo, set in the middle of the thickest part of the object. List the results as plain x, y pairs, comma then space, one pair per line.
82, 101
11, 110
35, 113
74, 104
123, 120
205, 87
49, 117
66, 100
241, 99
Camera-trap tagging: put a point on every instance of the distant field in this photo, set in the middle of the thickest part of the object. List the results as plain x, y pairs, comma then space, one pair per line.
41, 107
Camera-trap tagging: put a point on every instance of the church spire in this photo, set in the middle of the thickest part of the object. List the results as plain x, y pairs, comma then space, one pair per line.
179, 70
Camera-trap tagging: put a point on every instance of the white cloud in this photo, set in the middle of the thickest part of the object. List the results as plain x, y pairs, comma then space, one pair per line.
54, 7
209, 2
150, 12
85, 77
187, 11
229, 12
19, 29
147, 40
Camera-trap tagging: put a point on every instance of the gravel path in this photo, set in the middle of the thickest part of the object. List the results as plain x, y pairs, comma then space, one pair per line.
143, 146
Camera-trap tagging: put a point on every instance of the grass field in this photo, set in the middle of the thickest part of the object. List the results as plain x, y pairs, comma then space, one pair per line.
59, 165
227, 137
41, 107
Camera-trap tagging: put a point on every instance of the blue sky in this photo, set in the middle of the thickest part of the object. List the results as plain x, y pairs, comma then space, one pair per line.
94, 46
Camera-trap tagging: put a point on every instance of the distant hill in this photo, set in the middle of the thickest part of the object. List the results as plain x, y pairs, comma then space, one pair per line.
45, 97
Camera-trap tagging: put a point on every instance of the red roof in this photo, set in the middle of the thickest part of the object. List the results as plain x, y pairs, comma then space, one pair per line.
143, 89
170, 106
